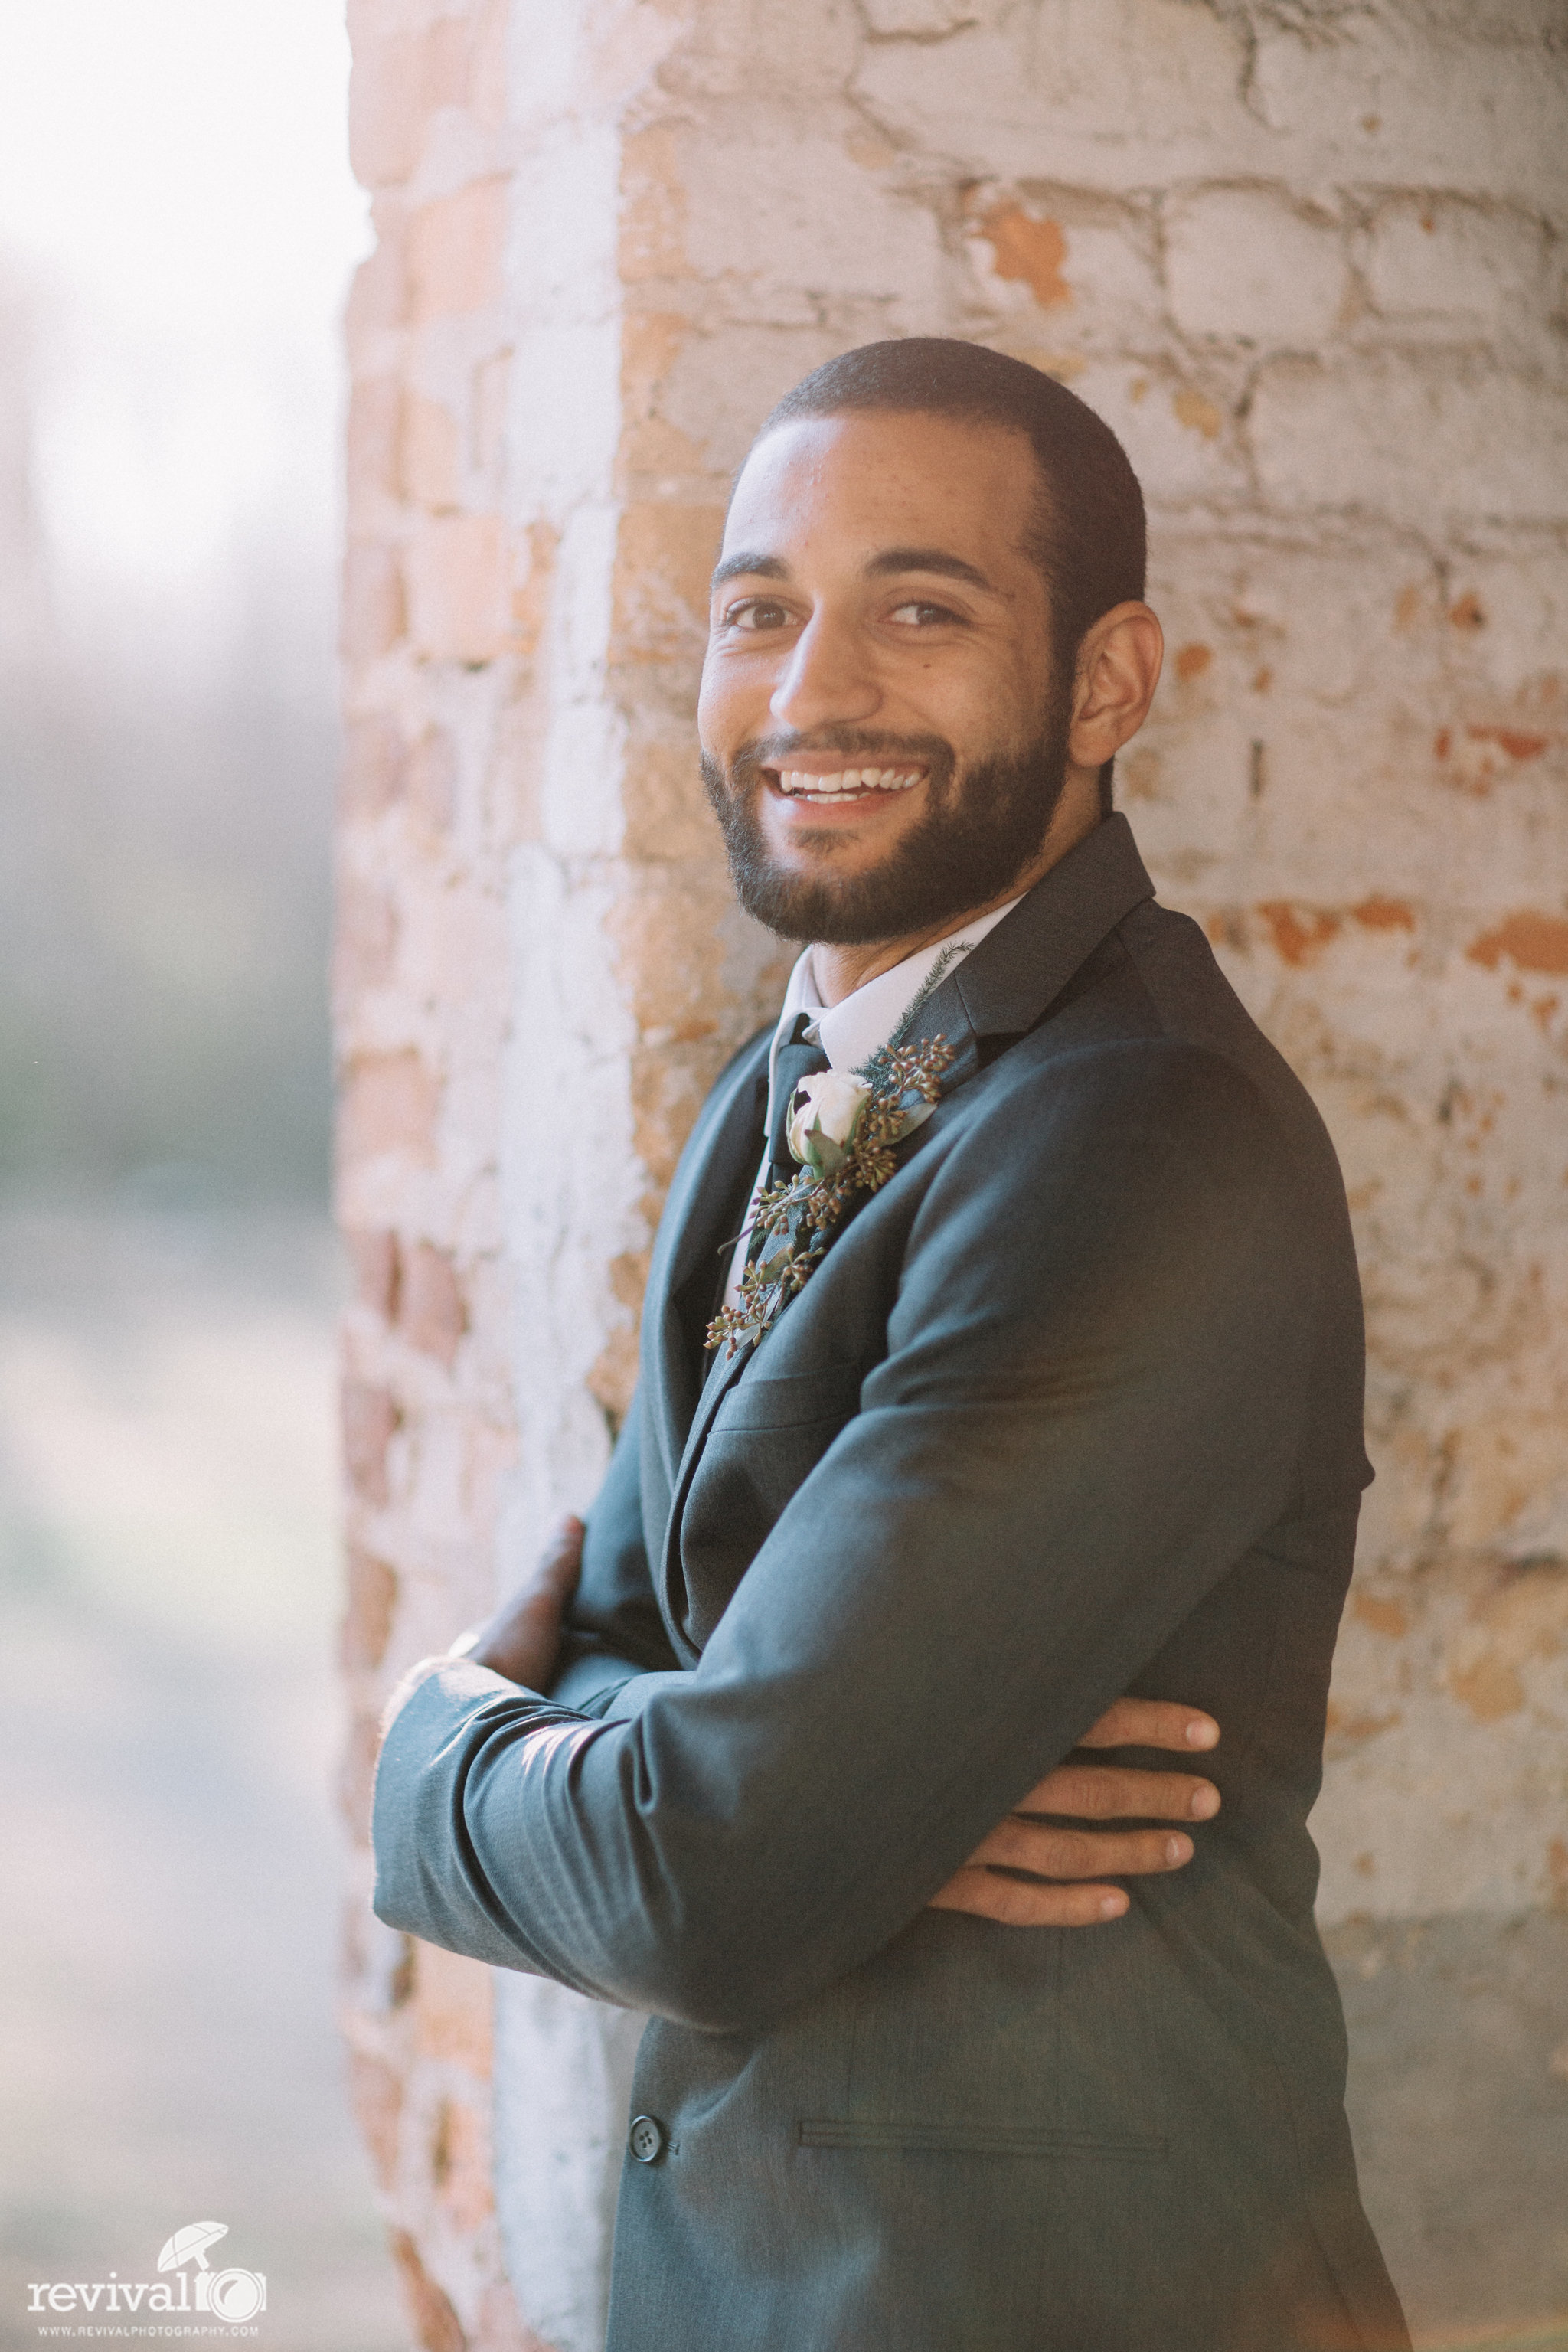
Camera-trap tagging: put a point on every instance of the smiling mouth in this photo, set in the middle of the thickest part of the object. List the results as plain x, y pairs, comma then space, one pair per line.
848, 783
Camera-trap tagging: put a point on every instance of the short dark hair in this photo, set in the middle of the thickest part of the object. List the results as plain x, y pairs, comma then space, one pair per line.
1089, 537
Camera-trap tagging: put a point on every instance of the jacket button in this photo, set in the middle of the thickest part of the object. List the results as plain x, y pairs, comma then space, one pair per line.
646, 2139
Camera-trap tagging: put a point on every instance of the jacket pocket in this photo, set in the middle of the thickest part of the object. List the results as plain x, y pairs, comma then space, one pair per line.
978, 2139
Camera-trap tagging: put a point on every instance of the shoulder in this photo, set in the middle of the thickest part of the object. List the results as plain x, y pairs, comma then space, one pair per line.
1138, 1145
1057, 1092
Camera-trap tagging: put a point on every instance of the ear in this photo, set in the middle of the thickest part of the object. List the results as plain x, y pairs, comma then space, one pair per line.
1118, 668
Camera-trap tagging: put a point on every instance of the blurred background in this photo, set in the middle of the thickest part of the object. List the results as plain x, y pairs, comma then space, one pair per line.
177, 224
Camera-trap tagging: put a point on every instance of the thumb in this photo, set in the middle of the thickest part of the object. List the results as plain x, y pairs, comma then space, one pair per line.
561, 1562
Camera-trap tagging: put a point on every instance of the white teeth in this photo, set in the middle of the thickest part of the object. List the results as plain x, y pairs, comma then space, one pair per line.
848, 779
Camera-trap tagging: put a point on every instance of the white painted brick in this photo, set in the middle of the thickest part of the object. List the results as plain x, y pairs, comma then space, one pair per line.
1244, 263
833, 227
738, 51
1179, 438
1106, 274
917, 16
1454, 263
761, 363
1071, 90
1420, 445
1471, 115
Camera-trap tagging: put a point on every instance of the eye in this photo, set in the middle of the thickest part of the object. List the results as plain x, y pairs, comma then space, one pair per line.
755, 613
921, 615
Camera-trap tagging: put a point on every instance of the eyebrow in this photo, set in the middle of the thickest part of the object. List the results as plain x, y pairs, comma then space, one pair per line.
926, 558
891, 560
765, 567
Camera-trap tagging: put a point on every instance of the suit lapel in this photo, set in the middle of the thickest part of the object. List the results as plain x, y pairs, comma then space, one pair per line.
715, 1171
1019, 969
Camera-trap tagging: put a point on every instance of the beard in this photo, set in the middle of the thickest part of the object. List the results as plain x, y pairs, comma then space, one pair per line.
980, 831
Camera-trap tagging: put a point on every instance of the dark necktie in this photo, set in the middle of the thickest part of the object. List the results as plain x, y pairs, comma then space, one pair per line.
794, 1061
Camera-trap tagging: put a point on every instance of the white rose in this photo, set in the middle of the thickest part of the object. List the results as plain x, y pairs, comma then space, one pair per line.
828, 1116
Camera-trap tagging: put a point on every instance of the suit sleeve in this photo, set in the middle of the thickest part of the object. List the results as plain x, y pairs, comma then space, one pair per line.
613, 1628
1089, 1409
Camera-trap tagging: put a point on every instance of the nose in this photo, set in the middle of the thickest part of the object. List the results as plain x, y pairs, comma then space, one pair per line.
827, 680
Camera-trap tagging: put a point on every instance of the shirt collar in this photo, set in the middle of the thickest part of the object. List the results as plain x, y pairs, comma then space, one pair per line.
853, 1030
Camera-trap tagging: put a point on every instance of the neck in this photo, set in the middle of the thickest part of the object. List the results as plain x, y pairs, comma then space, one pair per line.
840, 971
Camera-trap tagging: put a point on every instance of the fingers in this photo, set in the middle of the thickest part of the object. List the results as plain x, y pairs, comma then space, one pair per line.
561, 1562
1056, 1852
1108, 1793
1018, 1903
1151, 1723
522, 1640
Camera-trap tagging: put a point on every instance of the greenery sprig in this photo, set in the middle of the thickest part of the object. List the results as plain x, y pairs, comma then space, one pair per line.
791, 1224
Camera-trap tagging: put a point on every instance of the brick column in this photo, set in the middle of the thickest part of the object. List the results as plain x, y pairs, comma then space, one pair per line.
1308, 267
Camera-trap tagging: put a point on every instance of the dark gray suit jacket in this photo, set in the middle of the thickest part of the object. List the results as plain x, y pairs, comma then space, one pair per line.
1073, 1408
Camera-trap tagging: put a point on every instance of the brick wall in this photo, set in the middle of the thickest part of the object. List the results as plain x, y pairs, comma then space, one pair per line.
1308, 261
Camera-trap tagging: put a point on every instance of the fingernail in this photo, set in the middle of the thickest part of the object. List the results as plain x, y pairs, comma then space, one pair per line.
1205, 1804
1202, 1733
1111, 1907
1178, 1849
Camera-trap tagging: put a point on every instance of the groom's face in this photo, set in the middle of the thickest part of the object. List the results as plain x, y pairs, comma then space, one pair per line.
882, 721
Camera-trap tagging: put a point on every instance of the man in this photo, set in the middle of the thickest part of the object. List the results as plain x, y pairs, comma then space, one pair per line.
1062, 1403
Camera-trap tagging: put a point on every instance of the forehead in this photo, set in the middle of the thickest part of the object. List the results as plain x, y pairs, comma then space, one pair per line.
852, 484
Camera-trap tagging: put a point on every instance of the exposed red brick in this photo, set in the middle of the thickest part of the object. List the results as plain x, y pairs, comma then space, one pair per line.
434, 1313
377, 1264
1534, 942
1299, 933
1511, 739
453, 2002
1465, 612
389, 1104
378, 295
395, 86
1388, 1617
433, 779
1557, 1872
460, 2165
367, 1619
1198, 414
374, 758
373, 614
1030, 250
376, 2094
429, 452
365, 938
1385, 914
435, 2324
374, 406
456, 573
455, 251
371, 1419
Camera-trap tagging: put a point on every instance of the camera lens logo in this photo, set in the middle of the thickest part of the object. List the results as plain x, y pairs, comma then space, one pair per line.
233, 2294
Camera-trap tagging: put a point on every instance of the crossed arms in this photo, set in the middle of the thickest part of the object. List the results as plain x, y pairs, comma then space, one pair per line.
1046, 1476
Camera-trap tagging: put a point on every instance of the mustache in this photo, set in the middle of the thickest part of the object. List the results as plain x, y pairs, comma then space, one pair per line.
932, 752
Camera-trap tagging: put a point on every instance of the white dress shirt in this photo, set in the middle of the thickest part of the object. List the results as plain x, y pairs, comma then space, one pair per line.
850, 1032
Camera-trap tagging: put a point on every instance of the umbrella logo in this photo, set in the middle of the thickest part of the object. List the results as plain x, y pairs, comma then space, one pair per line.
236, 2295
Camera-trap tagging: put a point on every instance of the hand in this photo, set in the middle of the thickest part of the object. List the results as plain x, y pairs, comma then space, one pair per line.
1090, 1793
522, 1640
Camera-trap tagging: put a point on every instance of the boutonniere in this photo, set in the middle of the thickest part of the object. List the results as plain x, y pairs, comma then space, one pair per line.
845, 1132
